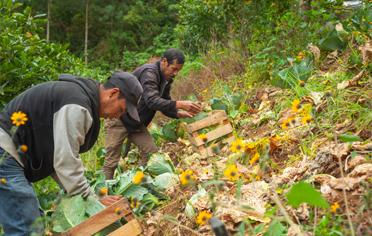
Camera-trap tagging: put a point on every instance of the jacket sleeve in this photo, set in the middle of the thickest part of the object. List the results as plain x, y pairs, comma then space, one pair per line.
70, 125
152, 98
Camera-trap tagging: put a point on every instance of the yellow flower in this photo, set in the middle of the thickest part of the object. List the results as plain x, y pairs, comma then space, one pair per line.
231, 172
237, 145
306, 119
103, 191
334, 207
300, 56
254, 158
138, 177
19, 118
118, 210
203, 217
134, 203
186, 176
285, 124
296, 105
203, 137
23, 148
3, 181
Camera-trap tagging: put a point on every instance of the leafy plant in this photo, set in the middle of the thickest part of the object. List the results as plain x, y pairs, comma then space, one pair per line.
305, 193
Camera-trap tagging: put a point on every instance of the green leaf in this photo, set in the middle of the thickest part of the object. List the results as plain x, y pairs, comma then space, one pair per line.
93, 206
159, 163
135, 191
169, 132
335, 40
275, 229
70, 212
217, 104
305, 193
349, 138
166, 180
101, 152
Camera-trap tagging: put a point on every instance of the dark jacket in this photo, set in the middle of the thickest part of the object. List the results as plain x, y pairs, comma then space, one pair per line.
156, 97
50, 108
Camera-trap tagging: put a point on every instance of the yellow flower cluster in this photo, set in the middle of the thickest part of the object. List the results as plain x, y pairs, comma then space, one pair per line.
138, 177
18, 118
303, 112
237, 145
203, 217
231, 172
255, 157
187, 176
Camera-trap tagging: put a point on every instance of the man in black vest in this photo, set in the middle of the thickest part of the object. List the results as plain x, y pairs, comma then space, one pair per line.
42, 132
156, 80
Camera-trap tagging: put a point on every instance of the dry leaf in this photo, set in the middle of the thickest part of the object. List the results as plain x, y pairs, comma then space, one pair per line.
315, 51
346, 183
362, 170
366, 52
358, 160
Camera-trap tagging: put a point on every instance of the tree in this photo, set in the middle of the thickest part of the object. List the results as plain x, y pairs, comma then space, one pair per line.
86, 32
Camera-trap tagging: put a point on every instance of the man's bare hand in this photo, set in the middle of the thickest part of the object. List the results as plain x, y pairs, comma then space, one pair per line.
184, 114
189, 106
109, 199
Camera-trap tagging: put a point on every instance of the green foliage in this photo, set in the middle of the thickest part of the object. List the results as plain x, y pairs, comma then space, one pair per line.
305, 193
329, 226
349, 138
26, 58
159, 163
275, 229
73, 210
336, 39
166, 180
291, 76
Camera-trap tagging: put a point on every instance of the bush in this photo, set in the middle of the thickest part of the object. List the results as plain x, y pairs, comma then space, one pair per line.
26, 58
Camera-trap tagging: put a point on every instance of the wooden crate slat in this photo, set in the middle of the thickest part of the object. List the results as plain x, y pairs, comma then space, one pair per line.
216, 117
229, 139
132, 228
100, 220
214, 134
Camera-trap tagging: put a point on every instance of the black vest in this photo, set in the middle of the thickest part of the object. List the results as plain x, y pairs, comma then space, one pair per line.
40, 103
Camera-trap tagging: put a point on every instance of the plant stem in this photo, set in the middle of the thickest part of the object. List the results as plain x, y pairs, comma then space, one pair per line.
344, 191
276, 199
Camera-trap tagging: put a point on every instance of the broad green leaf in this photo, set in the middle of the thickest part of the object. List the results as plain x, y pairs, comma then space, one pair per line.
349, 138
159, 163
275, 229
135, 191
70, 212
305, 193
169, 131
166, 180
217, 104
93, 206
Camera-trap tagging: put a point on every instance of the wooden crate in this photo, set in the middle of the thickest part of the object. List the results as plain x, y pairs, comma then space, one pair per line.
224, 128
106, 217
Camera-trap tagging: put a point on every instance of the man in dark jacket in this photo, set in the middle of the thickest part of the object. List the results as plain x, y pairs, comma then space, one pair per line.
156, 80
42, 132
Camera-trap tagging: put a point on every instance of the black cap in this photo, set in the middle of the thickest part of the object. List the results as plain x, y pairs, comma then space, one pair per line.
131, 88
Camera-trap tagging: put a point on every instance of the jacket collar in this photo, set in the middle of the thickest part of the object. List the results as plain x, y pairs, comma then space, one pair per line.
162, 77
